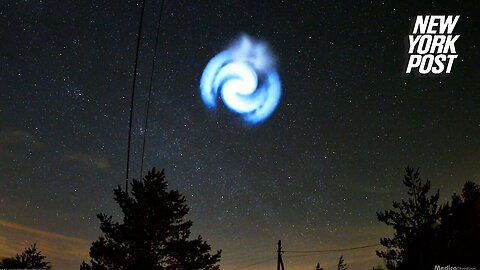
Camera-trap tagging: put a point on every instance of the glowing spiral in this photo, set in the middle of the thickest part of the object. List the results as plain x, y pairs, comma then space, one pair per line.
245, 77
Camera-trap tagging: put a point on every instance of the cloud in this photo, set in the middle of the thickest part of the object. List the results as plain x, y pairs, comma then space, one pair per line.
88, 160
65, 252
51, 235
15, 144
20, 137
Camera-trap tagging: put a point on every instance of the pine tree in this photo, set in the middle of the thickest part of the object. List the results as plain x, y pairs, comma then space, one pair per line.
413, 220
30, 258
154, 234
341, 264
459, 230
426, 234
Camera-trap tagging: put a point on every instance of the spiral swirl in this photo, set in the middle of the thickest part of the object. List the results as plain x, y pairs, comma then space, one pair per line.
246, 80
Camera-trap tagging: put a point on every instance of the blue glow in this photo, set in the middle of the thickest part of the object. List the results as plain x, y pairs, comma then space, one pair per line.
246, 79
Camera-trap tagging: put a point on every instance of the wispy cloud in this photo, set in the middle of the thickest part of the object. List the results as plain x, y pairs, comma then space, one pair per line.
89, 160
65, 252
20, 137
16, 143
51, 235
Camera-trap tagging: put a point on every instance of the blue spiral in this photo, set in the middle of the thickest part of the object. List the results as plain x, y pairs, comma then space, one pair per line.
245, 77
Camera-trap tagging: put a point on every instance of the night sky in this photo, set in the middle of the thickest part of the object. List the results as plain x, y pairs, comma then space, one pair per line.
313, 174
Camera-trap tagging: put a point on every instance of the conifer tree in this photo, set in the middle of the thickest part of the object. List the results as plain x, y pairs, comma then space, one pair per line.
30, 258
341, 264
413, 220
154, 234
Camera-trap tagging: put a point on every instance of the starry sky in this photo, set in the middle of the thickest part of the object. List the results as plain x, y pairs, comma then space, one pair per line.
313, 174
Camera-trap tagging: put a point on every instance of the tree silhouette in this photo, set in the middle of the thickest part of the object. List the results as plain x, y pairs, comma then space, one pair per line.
154, 234
413, 221
341, 264
9, 263
459, 231
318, 267
30, 258
426, 234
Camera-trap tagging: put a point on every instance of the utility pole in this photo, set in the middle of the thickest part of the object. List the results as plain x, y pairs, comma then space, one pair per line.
279, 252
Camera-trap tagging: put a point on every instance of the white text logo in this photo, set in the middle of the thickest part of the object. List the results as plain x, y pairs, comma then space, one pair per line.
431, 45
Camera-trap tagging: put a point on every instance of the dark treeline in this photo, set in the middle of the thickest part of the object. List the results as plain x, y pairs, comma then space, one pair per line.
30, 258
427, 234
154, 233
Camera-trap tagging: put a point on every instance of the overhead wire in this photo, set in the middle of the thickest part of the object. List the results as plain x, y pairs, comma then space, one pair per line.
134, 83
304, 253
150, 87
330, 250
256, 263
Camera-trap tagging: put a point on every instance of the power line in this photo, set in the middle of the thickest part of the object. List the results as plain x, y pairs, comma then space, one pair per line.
256, 263
329, 250
150, 87
306, 253
139, 38
239, 259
